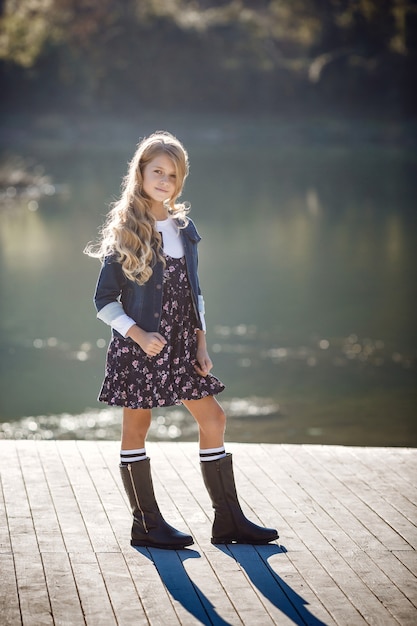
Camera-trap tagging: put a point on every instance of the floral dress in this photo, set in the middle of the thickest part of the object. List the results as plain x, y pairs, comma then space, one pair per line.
135, 380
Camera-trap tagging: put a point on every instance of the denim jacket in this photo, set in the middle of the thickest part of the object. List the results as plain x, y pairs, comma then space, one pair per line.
143, 303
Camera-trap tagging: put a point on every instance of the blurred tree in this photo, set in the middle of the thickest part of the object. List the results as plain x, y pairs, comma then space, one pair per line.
24, 30
267, 54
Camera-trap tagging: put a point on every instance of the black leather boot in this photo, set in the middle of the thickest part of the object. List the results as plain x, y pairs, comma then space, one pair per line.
230, 525
149, 527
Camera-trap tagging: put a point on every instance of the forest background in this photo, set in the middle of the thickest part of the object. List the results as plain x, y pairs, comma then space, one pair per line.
355, 58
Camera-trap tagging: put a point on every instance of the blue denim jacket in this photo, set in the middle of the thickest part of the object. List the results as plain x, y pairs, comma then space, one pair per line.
143, 303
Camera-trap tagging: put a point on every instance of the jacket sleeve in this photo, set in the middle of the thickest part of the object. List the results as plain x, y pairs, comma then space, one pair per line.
193, 234
110, 310
110, 283
201, 304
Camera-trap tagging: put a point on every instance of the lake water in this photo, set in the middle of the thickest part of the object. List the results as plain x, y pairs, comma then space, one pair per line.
308, 268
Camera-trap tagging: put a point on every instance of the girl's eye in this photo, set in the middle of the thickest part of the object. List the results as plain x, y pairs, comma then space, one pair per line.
173, 176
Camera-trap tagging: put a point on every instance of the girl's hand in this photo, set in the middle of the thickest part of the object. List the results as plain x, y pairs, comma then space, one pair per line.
151, 343
204, 363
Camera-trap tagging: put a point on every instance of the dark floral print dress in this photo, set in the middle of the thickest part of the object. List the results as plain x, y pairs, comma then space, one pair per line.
135, 380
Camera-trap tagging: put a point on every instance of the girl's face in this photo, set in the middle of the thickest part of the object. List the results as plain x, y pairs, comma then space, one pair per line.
159, 179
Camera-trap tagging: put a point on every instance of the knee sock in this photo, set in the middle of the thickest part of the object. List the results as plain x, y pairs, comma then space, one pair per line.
131, 456
212, 454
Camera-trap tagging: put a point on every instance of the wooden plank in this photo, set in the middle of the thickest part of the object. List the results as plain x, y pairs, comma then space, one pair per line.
360, 506
45, 521
150, 587
9, 599
212, 595
94, 515
187, 602
343, 505
359, 594
409, 559
402, 461
308, 606
19, 516
234, 581
34, 600
303, 514
398, 573
379, 493
390, 595
122, 592
281, 603
381, 463
177, 482
95, 602
5, 543
71, 522
331, 595
62, 591
109, 489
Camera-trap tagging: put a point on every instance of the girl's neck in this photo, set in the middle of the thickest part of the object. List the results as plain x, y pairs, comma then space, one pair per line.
159, 211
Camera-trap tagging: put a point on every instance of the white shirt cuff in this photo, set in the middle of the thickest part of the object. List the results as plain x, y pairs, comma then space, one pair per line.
114, 315
122, 324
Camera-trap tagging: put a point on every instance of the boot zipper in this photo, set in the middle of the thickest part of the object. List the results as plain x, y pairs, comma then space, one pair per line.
129, 467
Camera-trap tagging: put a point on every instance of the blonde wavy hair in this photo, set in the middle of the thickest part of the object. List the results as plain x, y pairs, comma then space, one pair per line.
129, 233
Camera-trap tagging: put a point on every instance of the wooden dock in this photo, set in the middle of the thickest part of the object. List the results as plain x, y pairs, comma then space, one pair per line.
347, 519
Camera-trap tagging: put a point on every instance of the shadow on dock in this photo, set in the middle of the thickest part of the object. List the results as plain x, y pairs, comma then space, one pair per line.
253, 560
170, 567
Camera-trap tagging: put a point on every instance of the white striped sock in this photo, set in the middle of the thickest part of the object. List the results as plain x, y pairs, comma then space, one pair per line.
131, 456
212, 454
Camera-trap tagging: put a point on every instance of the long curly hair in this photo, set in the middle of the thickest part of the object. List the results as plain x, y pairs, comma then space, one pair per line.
129, 233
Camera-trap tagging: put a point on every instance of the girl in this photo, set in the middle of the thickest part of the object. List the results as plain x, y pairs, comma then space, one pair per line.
148, 292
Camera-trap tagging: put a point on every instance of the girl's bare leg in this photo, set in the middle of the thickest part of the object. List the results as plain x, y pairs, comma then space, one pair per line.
135, 426
211, 421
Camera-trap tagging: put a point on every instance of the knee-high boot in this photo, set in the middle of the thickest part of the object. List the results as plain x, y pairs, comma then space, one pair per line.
230, 525
149, 527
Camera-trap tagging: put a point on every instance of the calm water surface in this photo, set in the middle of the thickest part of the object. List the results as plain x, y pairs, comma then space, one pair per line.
308, 267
